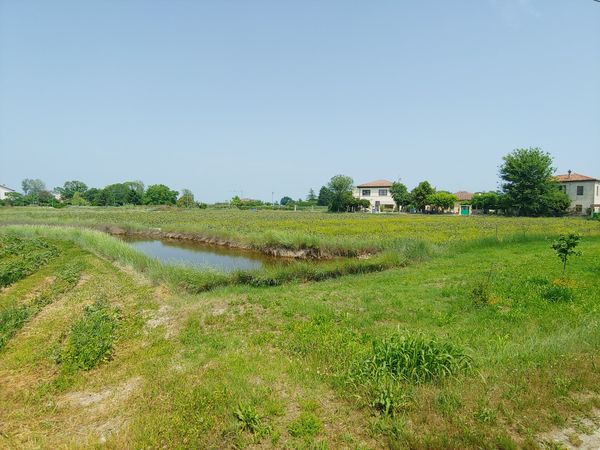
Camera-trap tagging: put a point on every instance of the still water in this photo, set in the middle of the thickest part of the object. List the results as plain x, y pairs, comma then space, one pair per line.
191, 253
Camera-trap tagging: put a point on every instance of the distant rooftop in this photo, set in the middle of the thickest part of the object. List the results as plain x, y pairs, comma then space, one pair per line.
573, 176
7, 188
463, 195
376, 183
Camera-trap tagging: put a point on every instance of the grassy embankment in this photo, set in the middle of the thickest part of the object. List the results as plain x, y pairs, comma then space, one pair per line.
317, 365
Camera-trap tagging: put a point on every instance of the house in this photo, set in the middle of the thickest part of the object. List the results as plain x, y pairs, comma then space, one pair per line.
378, 193
583, 191
5, 190
463, 206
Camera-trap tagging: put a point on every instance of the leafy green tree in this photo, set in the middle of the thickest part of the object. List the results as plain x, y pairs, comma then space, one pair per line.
400, 194
324, 196
486, 201
441, 201
78, 200
311, 197
286, 201
528, 184
70, 188
186, 200
565, 246
159, 194
420, 194
33, 186
16, 199
341, 192
90, 195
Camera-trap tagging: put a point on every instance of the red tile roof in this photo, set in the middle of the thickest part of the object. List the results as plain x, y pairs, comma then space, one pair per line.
376, 183
573, 177
463, 195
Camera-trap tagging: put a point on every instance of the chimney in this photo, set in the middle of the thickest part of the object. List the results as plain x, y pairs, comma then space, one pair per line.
569, 172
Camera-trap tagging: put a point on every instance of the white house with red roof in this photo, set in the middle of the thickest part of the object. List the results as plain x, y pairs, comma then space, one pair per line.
584, 192
378, 193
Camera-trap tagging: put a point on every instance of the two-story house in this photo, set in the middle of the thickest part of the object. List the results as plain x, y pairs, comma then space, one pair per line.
378, 193
583, 191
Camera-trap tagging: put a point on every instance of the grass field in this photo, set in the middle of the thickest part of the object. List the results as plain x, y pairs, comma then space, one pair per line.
333, 234
475, 342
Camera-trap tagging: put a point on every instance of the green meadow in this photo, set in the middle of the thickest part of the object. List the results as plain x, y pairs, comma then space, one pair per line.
426, 332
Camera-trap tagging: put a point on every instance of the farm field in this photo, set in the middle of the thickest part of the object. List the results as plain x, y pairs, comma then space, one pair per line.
466, 340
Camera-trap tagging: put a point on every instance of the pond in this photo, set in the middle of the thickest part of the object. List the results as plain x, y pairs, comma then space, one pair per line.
200, 255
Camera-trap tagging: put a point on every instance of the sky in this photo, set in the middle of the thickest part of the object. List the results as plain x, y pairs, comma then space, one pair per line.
263, 98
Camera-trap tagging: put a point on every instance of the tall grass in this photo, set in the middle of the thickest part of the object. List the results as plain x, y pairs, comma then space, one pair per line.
415, 358
196, 280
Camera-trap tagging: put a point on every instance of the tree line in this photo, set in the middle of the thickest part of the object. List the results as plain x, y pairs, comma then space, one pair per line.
527, 188
77, 193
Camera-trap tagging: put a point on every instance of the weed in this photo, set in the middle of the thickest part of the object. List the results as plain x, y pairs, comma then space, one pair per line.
558, 294
248, 418
91, 338
447, 403
307, 425
415, 358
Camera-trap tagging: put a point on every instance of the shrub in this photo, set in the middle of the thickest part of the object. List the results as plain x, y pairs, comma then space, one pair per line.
415, 358
91, 338
481, 294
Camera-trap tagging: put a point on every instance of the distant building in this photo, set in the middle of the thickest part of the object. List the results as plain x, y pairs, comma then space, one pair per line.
460, 208
5, 190
378, 193
583, 191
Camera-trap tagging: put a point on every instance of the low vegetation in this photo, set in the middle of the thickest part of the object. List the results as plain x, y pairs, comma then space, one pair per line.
471, 337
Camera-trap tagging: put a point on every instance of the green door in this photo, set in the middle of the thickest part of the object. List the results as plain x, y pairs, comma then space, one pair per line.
464, 210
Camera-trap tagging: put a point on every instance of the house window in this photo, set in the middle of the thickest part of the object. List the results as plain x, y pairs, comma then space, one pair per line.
383, 192
578, 208
366, 192
579, 190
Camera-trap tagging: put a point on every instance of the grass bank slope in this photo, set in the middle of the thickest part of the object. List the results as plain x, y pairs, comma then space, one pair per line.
486, 348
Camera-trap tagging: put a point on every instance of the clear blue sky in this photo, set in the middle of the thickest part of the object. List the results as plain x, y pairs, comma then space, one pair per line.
260, 96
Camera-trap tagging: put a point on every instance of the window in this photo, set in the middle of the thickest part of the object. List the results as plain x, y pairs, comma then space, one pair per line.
366, 192
383, 192
578, 208
579, 190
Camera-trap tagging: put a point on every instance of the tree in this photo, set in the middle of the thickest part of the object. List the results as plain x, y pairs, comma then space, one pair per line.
486, 201
16, 199
159, 194
311, 197
78, 200
324, 196
441, 200
90, 195
341, 192
286, 201
68, 190
528, 184
33, 186
186, 200
565, 246
400, 195
420, 193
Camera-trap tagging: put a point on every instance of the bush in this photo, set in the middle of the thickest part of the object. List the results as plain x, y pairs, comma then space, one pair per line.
91, 338
415, 358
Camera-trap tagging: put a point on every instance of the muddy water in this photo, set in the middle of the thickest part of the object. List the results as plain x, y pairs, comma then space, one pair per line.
191, 253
